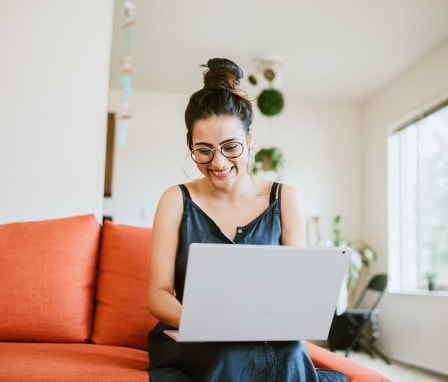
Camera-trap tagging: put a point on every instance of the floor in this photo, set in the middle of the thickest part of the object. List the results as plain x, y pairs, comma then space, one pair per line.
397, 372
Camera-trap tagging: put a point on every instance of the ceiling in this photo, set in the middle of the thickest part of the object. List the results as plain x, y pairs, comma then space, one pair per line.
337, 50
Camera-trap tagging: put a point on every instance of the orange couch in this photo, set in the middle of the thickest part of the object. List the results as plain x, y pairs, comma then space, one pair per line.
73, 304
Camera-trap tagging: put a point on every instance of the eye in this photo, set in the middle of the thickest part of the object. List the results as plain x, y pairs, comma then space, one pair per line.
231, 147
203, 151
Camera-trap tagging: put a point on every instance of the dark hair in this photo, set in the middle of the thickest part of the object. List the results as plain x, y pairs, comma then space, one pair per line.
219, 96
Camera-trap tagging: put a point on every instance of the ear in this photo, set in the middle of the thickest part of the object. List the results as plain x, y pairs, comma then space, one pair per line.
250, 137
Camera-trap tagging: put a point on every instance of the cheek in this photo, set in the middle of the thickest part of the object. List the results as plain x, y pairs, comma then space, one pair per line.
202, 168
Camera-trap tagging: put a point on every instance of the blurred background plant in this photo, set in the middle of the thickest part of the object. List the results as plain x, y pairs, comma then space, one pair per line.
268, 159
363, 255
431, 279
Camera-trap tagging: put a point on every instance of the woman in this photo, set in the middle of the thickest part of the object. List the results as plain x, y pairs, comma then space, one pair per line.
227, 205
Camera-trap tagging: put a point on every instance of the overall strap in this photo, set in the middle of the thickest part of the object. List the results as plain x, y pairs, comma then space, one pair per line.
275, 186
185, 192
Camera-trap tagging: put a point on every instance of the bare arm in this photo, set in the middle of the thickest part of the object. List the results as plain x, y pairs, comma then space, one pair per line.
161, 301
293, 217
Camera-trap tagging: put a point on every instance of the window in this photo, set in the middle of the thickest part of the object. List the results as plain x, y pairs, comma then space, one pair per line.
418, 202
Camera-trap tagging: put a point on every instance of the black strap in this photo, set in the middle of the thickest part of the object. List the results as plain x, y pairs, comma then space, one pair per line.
185, 192
275, 186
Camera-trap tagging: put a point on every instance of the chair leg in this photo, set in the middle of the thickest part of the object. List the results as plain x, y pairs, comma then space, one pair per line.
368, 350
350, 347
379, 353
368, 344
374, 336
356, 340
348, 351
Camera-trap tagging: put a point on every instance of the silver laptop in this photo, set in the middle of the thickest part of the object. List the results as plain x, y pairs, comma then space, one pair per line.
260, 292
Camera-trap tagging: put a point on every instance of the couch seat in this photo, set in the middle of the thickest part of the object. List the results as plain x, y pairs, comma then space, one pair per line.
63, 362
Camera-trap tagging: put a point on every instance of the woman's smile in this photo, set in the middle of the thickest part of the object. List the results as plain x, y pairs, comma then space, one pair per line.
221, 173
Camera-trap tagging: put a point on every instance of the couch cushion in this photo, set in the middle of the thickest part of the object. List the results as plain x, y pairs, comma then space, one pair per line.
355, 372
71, 362
122, 317
47, 276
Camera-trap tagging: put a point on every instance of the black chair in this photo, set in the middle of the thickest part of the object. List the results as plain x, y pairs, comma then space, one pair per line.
358, 325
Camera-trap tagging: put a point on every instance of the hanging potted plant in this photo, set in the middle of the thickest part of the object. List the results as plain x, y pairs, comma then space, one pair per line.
268, 160
270, 102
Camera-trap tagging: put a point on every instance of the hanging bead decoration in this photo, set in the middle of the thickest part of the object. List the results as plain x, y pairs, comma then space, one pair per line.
127, 69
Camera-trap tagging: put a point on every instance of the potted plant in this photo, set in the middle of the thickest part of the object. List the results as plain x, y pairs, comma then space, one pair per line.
268, 160
431, 278
363, 255
270, 102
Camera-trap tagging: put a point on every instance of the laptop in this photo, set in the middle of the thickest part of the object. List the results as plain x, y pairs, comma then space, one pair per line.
239, 292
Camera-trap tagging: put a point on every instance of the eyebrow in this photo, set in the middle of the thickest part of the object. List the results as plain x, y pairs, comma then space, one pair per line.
220, 144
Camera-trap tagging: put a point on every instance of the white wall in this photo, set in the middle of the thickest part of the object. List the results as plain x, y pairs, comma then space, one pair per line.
53, 96
413, 326
321, 143
152, 158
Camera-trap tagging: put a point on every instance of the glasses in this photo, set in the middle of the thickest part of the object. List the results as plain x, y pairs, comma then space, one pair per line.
204, 155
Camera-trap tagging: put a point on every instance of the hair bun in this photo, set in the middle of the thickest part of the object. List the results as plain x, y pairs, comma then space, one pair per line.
222, 73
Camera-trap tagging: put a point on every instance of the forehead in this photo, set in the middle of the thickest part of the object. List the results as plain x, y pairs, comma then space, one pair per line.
216, 129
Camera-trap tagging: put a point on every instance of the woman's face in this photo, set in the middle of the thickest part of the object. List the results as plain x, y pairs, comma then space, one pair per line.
223, 141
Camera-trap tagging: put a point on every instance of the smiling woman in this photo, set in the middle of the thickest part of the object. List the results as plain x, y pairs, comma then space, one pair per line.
228, 205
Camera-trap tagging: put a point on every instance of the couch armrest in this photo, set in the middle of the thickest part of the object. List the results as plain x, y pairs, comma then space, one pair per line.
325, 359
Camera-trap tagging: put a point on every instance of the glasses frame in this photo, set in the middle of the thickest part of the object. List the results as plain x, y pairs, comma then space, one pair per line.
220, 148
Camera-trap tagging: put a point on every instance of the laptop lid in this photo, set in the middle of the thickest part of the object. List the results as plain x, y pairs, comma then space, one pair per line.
260, 292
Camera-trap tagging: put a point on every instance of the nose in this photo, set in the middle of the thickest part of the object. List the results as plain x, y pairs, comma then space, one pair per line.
218, 158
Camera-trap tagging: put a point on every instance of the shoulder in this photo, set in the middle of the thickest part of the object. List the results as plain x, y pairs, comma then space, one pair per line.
171, 200
293, 217
171, 194
291, 200
289, 192
169, 208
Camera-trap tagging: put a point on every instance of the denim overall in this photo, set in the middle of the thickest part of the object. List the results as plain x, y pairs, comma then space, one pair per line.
229, 361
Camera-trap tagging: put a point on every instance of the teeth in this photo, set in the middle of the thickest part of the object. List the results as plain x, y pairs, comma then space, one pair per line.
221, 173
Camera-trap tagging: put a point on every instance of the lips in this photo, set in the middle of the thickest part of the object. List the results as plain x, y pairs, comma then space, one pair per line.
221, 173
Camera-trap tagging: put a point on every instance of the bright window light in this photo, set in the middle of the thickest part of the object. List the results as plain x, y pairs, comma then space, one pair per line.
418, 203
